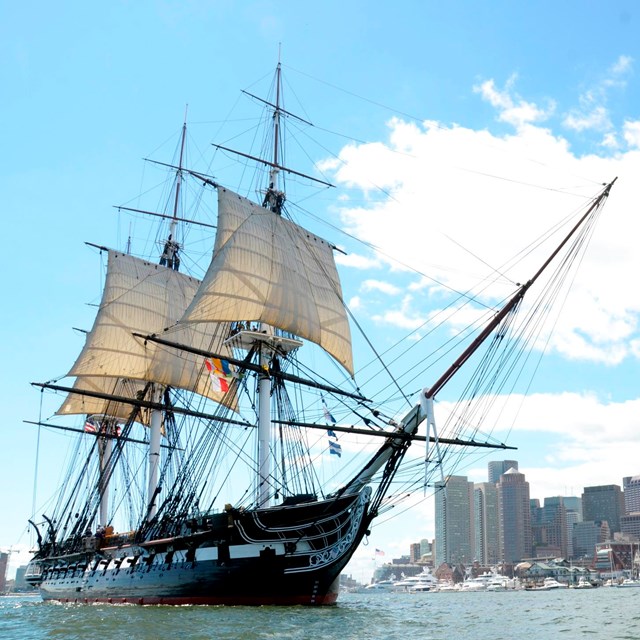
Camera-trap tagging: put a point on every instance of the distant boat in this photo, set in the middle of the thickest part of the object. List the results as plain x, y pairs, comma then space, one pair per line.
423, 581
583, 583
382, 585
198, 385
550, 584
489, 581
629, 583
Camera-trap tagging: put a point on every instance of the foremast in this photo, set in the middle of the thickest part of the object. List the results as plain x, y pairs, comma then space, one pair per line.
170, 258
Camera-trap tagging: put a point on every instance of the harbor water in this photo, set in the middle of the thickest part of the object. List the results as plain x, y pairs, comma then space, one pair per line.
595, 613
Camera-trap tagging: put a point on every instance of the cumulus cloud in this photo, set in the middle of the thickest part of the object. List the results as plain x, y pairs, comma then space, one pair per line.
592, 112
383, 287
469, 208
356, 261
512, 108
631, 132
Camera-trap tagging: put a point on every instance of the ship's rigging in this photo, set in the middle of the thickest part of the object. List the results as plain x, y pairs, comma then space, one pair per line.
209, 376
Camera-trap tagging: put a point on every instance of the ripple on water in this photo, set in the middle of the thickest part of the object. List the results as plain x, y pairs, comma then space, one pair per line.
569, 614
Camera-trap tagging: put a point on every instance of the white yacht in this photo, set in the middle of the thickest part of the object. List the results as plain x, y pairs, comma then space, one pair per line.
583, 583
382, 585
550, 584
424, 581
629, 582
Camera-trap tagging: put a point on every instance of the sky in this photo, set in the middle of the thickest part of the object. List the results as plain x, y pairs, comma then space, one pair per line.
468, 129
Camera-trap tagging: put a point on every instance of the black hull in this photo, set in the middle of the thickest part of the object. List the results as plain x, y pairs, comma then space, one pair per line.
282, 556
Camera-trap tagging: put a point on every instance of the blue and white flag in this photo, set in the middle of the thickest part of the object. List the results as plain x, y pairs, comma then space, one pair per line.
335, 449
327, 415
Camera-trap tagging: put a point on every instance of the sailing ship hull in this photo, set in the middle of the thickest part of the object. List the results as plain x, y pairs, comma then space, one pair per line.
289, 555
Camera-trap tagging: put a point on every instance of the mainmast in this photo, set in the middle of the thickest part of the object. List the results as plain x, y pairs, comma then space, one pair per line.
274, 199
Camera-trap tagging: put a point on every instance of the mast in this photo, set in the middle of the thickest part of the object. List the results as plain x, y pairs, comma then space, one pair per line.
105, 448
273, 200
171, 260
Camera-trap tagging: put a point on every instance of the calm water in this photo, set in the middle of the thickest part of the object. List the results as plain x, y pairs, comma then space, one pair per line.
597, 613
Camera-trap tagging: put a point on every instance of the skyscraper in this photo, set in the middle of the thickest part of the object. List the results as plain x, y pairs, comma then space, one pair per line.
485, 513
554, 519
497, 467
514, 516
573, 503
585, 537
4, 561
631, 488
603, 502
454, 522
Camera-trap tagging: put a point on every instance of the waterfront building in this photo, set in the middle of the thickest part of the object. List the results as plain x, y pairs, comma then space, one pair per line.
414, 552
538, 531
426, 547
497, 467
454, 521
586, 535
554, 517
630, 525
573, 518
4, 561
604, 502
485, 513
514, 516
631, 486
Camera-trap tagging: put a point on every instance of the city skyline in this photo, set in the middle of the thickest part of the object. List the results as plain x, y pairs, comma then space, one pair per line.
498, 522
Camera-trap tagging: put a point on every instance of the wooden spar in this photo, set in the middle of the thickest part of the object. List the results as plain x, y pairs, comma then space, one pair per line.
271, 164
270, 104
164, 215
511, 304
252, 367
146, 404
95, 434
393, 434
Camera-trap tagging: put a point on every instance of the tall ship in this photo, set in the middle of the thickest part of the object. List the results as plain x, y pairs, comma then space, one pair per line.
211, 410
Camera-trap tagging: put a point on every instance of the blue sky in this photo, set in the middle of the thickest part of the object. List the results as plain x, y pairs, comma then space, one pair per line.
486, 121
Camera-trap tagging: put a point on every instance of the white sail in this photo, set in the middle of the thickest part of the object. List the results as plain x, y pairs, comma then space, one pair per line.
145, 298
79, 403
268, 269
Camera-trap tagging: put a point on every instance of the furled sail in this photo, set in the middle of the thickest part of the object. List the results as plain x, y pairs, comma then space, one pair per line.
268, 269
79, 403
145, 298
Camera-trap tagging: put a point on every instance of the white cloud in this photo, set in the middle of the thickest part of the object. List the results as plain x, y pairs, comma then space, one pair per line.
356, 261
564, 441
513, 109
474, 201
383, 287
463, 201
622, 65
592, 112
590, 117
631, 133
